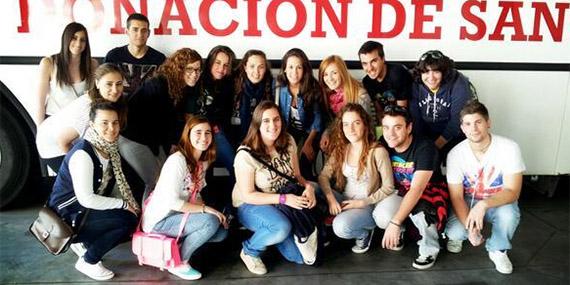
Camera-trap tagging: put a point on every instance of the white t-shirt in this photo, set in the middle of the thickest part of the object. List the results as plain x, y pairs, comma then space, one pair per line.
485, 178
356, 187
75, 116
296, 119
265, 180
172, 190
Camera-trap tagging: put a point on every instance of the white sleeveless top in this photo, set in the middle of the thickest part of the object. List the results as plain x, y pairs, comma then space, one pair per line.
356, 187
61, 95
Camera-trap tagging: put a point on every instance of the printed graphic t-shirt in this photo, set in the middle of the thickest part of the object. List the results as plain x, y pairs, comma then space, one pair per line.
265, 180
482, 179
395, 86
421, 155
136, 70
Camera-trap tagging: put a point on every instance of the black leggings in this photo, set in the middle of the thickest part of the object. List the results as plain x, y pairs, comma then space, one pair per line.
306, 166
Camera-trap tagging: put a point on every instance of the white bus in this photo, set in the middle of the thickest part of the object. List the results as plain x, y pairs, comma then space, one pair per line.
516, 53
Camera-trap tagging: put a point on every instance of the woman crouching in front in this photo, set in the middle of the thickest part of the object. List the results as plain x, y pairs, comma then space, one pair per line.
255, 193
91, 192
178, 192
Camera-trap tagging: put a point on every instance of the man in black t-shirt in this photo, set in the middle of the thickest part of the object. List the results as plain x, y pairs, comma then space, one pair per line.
137, 60
421, 191
386, 83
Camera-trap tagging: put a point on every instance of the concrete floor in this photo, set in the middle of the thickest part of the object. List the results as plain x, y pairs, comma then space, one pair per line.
540, 255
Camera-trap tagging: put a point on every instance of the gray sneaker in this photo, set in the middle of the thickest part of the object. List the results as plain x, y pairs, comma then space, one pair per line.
362, 245
400, 245
454, 246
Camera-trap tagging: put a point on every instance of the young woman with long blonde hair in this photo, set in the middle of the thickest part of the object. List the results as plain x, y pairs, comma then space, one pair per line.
339, 88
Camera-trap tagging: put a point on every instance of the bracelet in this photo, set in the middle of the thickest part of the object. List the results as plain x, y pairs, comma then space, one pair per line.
282, 198
395, 224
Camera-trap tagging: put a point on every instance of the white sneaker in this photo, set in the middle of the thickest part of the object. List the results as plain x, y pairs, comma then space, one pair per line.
78, 248
424, 262
454, 246
308, 249
362, 245
253, 264
502, 262
94, 271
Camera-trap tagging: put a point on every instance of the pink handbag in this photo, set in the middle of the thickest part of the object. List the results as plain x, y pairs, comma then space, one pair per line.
158, 250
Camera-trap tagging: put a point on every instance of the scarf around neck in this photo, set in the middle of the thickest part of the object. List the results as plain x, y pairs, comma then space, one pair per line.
112, 149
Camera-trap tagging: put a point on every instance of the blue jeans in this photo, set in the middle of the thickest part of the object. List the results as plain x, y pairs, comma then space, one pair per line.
225, 153
199, 229
103, 230
269, 227
353, 223
504, 219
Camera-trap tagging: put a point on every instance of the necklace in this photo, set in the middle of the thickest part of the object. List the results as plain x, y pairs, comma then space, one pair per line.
481, 151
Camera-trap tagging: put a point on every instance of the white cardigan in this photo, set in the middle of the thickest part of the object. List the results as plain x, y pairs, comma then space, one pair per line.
169, 193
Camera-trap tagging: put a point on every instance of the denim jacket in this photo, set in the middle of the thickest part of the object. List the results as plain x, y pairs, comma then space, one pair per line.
310, 121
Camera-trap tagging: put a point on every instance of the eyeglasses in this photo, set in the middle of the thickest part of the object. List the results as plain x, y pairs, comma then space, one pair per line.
435, 54
395, 109
190, 71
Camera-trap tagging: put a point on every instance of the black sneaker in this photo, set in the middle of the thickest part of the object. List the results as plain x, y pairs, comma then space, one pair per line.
362, 245
400, 245
424, 262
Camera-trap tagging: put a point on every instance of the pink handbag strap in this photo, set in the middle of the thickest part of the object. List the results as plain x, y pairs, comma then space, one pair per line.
192, 199
182, 224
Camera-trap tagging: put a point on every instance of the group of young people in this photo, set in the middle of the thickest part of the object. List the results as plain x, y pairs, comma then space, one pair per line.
151, 127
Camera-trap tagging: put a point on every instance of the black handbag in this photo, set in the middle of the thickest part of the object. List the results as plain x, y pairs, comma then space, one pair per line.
52, 231
303, 220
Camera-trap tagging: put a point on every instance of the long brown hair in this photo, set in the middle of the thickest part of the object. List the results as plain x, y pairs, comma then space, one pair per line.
173, 70
309, 89
241, 76
253, 138
350, 86
211, 58
185, 146
339, 142
62, 59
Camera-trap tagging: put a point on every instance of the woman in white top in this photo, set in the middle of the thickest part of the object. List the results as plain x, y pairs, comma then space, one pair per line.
363, 174
177, 193
255, 192
67, 75
56, 134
